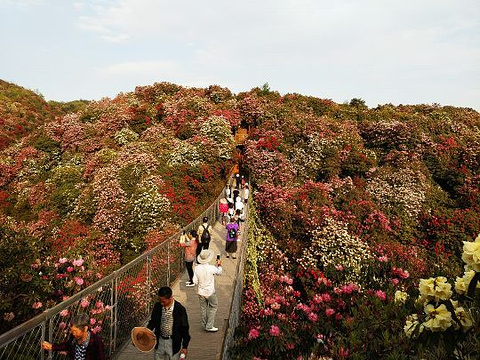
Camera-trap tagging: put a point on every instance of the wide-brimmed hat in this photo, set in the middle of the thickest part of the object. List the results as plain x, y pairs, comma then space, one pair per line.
143, 338
205, 256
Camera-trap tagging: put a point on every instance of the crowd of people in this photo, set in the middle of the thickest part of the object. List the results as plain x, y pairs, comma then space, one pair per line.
167, 332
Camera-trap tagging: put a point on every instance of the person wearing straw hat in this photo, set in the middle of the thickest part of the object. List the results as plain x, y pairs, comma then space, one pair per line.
169, 321
204, 277
143, 338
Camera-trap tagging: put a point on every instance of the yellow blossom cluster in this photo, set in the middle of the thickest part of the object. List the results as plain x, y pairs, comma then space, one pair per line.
471, 254
435, 289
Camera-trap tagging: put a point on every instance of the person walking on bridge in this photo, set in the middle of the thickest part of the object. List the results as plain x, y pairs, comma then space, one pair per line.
204, 234
169, 321
204, 278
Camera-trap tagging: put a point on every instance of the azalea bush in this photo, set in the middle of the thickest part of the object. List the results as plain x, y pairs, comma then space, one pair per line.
96, 183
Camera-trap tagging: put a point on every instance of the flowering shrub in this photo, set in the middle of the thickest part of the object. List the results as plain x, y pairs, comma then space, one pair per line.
98, 182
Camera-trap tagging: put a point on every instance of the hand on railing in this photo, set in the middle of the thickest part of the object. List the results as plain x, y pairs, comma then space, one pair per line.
46, 346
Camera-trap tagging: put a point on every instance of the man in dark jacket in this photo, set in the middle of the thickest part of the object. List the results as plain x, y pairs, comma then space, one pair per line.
169, 321
82, 344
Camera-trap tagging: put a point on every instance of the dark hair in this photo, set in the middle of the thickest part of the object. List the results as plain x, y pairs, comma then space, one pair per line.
80, 321
165, 292
238, 212
193, 233
205, 219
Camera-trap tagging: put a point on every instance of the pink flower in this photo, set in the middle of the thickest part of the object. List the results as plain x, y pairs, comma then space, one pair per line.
274, 330
326, 297
317, 299
79, 280
108, 307
97, 329
70, 269
99, 304
64, 313
343, 353
37, 305
313, 317
92, 321
395, 281
62, 325
381, 295
329, 312
62, 260
78, 262
290, 346
383, 259
339, 267
84, 303
253, 334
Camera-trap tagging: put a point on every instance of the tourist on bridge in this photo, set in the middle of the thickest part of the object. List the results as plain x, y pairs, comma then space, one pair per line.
233, 230
169, 321
239, 205
228, 191
204, 234
223, 208
237, 180
83, 344
246, 193
190, 243
204, 278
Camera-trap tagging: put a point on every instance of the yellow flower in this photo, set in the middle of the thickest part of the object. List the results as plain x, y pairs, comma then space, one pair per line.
435, 289
464, 318
400, 296
439, 319
462, 283
471, 253
411, 324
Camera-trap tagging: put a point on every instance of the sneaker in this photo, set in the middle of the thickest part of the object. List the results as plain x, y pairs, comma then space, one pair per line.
189, 284
212, 329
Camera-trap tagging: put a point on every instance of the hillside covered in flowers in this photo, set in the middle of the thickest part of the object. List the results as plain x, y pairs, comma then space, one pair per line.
84, 192
362, 230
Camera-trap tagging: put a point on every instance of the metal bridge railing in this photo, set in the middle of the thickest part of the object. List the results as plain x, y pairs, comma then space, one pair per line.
115, 304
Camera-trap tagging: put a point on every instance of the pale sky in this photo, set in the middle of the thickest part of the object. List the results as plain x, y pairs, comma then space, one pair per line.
383, 51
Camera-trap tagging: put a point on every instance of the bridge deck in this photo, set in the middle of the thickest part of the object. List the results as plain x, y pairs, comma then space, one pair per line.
203, 345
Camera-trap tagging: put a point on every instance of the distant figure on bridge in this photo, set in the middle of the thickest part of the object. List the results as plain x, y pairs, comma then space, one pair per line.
233, 230
82, 344
204, 234
204, 278
246, 193
237, 180
190, 243
170, 323
223, 208
228, 191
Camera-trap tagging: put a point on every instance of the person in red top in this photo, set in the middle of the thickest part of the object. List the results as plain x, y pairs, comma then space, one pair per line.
82, 344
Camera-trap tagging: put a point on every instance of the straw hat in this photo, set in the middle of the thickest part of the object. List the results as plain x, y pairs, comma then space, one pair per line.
144, 339
205, 257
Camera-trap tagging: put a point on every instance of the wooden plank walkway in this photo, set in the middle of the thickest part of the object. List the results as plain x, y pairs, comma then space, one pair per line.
203, 345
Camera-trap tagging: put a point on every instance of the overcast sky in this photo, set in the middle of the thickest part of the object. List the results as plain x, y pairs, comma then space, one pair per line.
383, 51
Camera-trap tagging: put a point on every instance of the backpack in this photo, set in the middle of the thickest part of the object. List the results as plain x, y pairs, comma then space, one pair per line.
232, 233
205, 235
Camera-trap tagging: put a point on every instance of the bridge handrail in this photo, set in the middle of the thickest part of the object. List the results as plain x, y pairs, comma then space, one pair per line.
21, 336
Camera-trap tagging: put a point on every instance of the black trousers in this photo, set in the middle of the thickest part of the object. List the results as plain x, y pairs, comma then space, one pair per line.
189, 265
